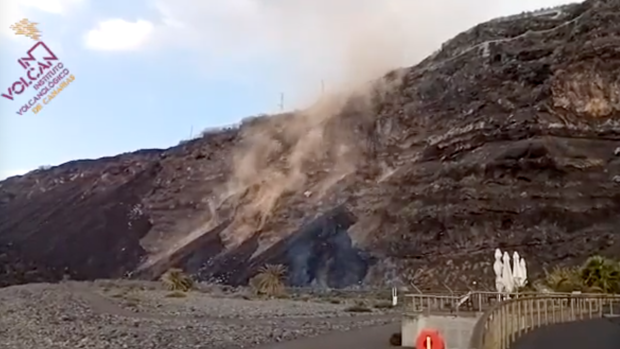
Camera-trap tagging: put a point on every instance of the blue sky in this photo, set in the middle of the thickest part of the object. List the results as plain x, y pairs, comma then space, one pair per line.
148, 72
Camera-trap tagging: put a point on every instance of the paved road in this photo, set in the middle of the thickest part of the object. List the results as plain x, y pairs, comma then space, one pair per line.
368, 338
588, 334
595, 334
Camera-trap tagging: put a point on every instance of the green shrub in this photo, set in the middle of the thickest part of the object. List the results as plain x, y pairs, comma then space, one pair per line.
597, 274
600, 274
176, 280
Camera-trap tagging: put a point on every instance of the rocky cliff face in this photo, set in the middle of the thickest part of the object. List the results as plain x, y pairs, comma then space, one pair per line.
508, 136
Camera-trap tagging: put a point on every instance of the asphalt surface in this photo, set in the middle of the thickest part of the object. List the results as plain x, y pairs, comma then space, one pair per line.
588, 334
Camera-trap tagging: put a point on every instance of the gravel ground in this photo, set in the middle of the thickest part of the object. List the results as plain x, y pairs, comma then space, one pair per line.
83, 315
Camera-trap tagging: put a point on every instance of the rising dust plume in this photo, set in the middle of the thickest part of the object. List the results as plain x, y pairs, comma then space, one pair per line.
347, 42
363, 40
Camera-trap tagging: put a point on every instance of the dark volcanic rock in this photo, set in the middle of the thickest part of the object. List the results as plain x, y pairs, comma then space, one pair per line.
321, 253
508, 136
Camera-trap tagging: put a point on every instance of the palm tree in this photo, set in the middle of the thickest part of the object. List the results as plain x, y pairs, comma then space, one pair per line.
269, 280
601, 274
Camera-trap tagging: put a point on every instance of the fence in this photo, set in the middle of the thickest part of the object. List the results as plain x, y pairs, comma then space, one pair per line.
473, 301
505, 322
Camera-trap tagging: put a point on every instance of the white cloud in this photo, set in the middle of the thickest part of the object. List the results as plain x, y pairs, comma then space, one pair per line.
118, 35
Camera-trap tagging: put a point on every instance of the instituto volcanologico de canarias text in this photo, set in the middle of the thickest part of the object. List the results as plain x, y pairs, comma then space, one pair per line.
49, 82
48, 76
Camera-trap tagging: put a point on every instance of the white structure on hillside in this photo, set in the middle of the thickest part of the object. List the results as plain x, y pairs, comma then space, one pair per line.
509, 279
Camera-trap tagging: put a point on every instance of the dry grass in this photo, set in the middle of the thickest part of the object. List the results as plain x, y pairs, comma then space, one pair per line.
563, 279
176, 280
269, 281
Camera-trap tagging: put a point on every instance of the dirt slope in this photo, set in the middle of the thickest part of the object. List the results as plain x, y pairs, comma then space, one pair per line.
506, 137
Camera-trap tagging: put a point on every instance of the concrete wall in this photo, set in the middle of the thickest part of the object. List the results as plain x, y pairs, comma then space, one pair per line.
455, 330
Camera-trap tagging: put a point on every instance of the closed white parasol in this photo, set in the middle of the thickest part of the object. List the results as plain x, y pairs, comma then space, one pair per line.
507, 279
523, 268
497, 268
516, 270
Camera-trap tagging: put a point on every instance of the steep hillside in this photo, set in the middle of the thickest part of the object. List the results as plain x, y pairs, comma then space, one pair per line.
506, 137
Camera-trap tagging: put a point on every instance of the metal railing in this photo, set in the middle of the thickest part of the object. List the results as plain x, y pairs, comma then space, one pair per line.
455, 302
507, 321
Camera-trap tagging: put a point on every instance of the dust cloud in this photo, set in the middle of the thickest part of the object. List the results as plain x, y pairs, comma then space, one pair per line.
301, 42
345, 43
362, 40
